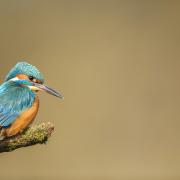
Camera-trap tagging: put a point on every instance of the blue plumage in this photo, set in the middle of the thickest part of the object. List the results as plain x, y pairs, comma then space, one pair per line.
13, 101
18, 102
26, 69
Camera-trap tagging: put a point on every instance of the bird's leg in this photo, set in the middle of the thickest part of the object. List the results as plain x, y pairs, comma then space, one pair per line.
2, 133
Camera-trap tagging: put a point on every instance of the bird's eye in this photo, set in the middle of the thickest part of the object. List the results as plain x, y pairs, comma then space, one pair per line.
31, 78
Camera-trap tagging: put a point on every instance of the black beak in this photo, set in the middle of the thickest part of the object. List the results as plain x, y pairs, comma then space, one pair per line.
48, 90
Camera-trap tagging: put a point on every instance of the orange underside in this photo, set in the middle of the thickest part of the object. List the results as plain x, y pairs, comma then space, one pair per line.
24, 120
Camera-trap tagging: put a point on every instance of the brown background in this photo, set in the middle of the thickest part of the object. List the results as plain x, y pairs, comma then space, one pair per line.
118, 65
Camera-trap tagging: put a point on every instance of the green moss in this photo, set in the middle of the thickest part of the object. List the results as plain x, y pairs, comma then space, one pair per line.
30, 136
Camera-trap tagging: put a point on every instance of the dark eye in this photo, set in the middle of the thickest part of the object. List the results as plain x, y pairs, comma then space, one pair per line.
31, 78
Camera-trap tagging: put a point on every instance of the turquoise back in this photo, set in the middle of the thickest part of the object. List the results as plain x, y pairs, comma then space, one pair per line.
13, 101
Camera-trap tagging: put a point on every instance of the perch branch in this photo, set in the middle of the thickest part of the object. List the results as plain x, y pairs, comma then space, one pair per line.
38, 134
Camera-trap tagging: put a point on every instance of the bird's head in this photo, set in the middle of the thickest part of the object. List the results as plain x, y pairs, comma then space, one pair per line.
24, 74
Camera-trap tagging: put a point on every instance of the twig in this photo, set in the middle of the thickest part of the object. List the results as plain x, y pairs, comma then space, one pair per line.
38, 134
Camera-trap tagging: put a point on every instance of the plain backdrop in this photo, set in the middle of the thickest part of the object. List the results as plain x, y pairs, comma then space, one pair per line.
117, 63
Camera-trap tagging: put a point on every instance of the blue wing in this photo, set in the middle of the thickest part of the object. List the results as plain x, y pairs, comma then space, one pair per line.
13, 101
7, 117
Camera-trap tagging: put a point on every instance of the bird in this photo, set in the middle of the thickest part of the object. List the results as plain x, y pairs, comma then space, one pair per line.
19, 102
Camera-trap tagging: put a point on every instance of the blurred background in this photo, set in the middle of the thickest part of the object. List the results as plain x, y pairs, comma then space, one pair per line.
117, 63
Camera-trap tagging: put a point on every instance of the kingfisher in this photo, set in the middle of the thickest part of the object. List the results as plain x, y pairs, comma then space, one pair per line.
19, 102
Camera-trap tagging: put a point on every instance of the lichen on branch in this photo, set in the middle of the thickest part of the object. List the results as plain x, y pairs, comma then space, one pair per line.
38, 134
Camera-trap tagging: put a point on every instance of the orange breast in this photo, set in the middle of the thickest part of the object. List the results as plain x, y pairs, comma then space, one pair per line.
24, 120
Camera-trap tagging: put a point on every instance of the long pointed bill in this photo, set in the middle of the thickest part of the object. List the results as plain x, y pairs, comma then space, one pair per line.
48, 90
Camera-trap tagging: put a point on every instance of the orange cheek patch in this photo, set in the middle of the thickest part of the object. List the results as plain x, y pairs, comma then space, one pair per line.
38, 81
22, 76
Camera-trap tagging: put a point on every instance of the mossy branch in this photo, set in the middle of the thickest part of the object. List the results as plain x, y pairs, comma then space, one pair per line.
38, 134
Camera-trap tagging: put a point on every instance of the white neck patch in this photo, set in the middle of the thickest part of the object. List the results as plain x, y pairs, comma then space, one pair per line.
14, 79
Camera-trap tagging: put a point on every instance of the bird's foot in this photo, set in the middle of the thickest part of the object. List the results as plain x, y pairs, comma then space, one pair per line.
2, 134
